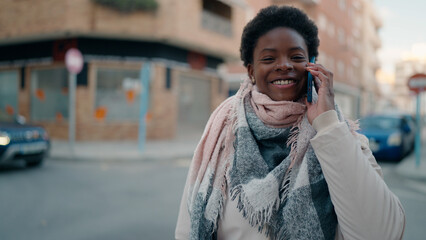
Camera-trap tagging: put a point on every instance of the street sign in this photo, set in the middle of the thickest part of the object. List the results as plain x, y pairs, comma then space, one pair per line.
417, 83
74, 60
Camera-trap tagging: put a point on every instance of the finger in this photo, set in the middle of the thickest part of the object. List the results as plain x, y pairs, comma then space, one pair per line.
325, 80
317, 83
318, 67
321, 68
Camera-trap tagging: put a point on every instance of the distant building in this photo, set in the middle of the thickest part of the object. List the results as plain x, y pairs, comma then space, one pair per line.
413, 62
185, 41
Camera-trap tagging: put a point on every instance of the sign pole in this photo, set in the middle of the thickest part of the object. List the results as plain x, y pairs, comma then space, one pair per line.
145, 75
71, 116
418, 132
417, 84
74, 62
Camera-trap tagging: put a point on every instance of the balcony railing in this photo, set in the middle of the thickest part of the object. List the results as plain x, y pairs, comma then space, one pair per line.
216, 23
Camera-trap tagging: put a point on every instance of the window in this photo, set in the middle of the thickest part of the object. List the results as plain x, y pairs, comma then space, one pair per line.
117, 94
216, 17
49, 94
350, 42
218, 8
341, 36
341, 68
331, 29
330, 61
9, 92
322, 59
346, 103
350, 73
322, 21
342, 4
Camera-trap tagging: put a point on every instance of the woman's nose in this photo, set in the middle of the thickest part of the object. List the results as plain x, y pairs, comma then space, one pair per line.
283, 66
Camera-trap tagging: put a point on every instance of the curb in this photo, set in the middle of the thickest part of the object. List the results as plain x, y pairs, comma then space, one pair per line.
123, 151
408, 169
117, 159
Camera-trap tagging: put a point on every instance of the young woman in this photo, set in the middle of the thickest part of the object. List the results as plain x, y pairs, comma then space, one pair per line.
271, 165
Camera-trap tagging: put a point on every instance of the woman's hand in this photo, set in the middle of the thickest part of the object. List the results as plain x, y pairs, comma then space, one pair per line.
323, 81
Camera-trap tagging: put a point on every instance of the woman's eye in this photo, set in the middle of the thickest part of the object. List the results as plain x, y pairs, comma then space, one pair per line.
267, 59
299, 58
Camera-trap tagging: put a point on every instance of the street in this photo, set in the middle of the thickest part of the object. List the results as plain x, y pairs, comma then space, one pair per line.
91, 200
412, 195
88, 200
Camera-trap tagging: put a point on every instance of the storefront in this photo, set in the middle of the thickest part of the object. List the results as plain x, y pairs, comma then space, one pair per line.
184, 87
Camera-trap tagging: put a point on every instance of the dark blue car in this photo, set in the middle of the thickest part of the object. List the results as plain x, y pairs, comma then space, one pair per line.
391, 136
22, 142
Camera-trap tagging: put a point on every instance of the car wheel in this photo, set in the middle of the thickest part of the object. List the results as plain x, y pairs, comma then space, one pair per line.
35, 163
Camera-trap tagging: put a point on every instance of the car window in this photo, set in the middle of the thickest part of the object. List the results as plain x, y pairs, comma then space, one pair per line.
411, 122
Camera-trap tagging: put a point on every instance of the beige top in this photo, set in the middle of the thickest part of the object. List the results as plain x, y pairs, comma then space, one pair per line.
365, 207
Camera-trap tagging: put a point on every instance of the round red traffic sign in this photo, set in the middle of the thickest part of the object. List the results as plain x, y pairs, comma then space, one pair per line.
74, 60
417, 83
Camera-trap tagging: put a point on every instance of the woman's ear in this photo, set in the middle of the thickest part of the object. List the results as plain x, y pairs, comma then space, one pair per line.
250, 71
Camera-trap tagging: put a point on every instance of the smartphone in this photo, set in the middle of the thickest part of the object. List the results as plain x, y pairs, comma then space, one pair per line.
310, 82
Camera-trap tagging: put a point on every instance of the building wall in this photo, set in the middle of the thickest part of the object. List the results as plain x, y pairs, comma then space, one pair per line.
403, 98
20, 19
369, 61
170, 23
166, 37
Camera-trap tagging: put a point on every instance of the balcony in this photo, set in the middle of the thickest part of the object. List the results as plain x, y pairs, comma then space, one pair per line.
216, 23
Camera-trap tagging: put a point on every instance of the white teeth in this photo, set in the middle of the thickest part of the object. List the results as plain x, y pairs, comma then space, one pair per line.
282, 82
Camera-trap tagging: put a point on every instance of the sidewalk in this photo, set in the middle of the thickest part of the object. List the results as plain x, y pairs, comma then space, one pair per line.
125, 150
408, 169
180, 148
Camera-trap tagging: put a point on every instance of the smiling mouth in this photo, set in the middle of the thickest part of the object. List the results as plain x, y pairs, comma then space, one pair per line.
283, 82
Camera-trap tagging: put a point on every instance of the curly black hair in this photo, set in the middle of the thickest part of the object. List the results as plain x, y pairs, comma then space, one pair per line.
272, 17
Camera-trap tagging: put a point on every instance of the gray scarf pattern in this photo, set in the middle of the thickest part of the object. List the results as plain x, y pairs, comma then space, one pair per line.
282, 203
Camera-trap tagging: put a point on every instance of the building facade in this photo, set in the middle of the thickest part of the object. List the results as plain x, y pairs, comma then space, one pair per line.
413, 63
183, 52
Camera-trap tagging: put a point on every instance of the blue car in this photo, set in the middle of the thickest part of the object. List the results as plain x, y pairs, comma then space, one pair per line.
22, 142
391, 136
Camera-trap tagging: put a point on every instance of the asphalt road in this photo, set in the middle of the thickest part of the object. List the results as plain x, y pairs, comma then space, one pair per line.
91, 200
412, 194
87, 200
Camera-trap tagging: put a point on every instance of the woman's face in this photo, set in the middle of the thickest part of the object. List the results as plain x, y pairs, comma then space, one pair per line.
279, 61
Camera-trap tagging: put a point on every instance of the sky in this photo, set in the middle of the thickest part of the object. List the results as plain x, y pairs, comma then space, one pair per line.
404, 24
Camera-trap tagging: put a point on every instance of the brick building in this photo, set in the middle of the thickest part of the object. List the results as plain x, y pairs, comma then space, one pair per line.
184, 42
412, 62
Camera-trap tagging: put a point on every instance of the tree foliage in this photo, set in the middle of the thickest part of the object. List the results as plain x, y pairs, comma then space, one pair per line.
129, 5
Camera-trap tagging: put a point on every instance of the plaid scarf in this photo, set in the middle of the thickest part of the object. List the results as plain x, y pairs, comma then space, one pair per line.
286, 200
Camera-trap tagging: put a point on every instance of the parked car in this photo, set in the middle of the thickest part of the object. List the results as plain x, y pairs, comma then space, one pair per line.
391, 136
22, 142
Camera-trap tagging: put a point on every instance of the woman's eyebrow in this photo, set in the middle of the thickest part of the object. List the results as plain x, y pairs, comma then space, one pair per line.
291, 49
268, 49
297, 48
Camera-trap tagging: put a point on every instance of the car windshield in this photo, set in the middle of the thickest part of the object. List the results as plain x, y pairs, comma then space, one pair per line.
4, 117
380, 122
